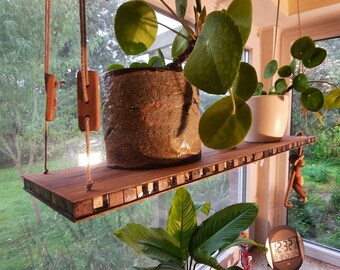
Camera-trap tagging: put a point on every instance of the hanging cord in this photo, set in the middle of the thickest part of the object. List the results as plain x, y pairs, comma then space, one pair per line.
46, 68
84, 84
275, 35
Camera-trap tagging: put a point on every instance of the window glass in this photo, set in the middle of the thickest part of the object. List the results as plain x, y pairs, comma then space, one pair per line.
319, 219
32, 236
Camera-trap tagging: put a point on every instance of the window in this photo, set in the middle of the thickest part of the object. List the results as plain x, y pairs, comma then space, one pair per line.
32, 236
319, 219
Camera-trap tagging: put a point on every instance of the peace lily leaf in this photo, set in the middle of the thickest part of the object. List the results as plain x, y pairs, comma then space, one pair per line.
155, 243
180, 44
135, 27
285, 71
241, 12
280, 86
332, 100
241, 241
301, 46
220, 127
314, 57
223, 227
115, 67
181, 8
156, 61
270, 69
300, 82
312, 99
246, 81
203, 208
182, 219
204, 257
213, 64
170, 265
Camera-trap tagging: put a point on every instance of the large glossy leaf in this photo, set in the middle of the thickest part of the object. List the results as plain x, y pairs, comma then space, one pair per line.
245, 83
221, 127
182, 219
155, 243
203, 208
314, 57
241, 12
332, 100
204, 257
181, 8
170, 265
214, 62
312, 99
135, 27
300, 82
270, 69
241, 241
301, 46
180, 44
223, 227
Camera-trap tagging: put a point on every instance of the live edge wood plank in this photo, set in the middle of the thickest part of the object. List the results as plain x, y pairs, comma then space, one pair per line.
65, 190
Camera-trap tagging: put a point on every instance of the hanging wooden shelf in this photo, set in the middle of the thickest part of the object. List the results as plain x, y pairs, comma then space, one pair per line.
65, 190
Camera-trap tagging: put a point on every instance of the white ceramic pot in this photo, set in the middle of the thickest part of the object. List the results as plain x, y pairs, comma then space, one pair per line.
270, 115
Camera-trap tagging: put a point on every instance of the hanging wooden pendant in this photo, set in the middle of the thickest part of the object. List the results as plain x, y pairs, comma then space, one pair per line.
91, 108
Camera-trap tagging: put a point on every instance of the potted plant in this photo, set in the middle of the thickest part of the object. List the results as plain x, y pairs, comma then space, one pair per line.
212, 52
184, 244
271, 108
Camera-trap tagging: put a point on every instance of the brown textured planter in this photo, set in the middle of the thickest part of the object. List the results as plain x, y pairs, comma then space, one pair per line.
150, 118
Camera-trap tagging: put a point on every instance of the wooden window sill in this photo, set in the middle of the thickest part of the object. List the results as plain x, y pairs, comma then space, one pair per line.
65, 190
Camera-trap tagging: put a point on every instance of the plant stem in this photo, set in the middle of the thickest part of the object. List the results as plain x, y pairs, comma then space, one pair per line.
181, 20
233, 100
177, 63
321, 81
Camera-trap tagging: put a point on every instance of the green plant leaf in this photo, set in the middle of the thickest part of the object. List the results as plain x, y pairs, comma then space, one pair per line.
180, 44
115, 67
223, 227
280, 86
241, 12
155, 243
170, 265
214, 62
312, 99
182, 219
259, 88
293, 65
314, 57
301, 46
234, 267
161, 55
203, 208
135, 27
181, 8
285, 71
270, 69
241, 241
332, 100
156, 61
137, 65
245, 83
300, 82
204, 257
220, 127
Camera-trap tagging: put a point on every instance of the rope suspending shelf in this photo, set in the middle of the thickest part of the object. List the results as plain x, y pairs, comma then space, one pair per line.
63, 190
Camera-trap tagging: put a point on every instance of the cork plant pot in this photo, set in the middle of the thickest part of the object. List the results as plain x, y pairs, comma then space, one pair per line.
150, 118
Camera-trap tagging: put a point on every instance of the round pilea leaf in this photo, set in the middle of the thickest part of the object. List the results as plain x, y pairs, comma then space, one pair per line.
214, 62
280, 86
270, 69
135, 27
245, 83
332, 100
314, 57
300, 82
223, 127
301, 46
114, 67
312, 99
292, 65
180, 43
285, 71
